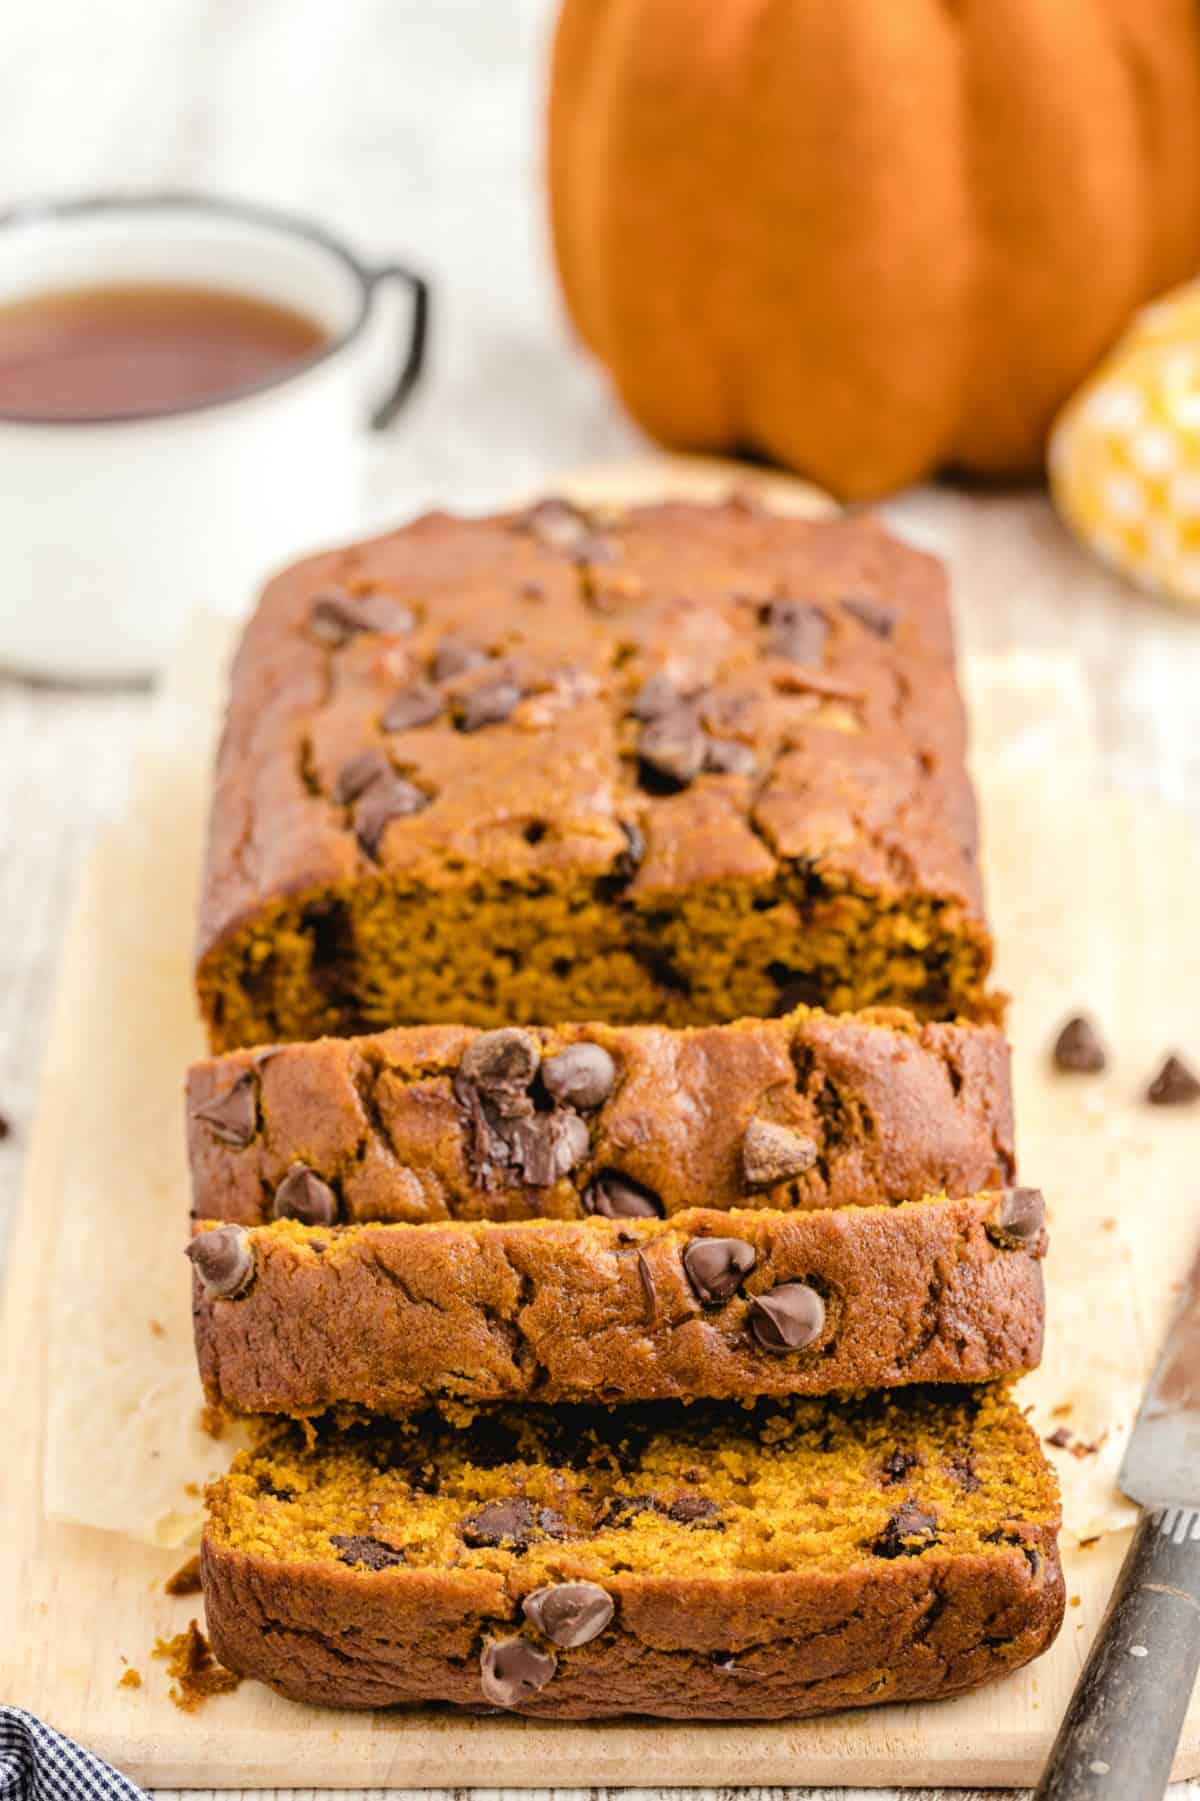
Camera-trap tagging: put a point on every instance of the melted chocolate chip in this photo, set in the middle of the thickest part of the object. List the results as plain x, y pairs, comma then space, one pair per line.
897, 1465
649, 1289
621, 1510
454, 656
1175, 1085
560, 526
774, 1153
418, 705
359, 774
547, 1146
880, 619
1078, 1049
715, 1267
232, 1115
909, 1531
502, 1065
359, 1548
725, 756
960, 1469
304, 1196
1018, 1220
511, 1670
489, 705
513, 1522
672, 746
614, 1196
223, 1261
795, 632
384, 801
693, 1510
582, 1076
569, 1613
787, 1318
337, 616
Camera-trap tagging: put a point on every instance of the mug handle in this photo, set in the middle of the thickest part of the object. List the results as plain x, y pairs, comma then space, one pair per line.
410, 369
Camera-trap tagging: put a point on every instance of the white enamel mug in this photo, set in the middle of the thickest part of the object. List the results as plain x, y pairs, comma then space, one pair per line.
113, 530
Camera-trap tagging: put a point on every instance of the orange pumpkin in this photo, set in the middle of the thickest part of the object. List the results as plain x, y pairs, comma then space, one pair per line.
869, 238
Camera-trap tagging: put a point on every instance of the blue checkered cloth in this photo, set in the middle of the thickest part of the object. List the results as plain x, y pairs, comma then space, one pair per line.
39, 1764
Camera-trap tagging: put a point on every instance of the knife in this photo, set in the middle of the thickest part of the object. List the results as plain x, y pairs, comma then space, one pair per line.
1120, 1731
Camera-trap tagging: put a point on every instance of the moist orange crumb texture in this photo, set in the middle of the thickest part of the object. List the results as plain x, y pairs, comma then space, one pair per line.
683, 765
195, 1673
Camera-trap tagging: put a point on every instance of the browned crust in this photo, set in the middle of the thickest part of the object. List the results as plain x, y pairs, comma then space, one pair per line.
895, 1108
387, 1318
804, 1642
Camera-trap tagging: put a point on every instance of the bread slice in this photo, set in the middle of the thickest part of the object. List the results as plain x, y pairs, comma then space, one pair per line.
443, 1122
297, 1319
689, 1562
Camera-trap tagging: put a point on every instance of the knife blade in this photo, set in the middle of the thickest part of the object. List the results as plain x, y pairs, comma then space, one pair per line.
1120, 1730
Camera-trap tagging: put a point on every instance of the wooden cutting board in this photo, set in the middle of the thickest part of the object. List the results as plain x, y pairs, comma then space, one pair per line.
1093, 901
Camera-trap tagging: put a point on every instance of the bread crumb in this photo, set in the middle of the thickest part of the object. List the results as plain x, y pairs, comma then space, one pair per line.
158, 1329
192, 1488
130, 1678
1085, 1544
212, 1421
186, 1579
197, 1675
1075, 1600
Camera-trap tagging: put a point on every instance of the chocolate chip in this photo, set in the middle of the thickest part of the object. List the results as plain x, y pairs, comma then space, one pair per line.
961, 1470
418, 705
693, 1510
909, 1531
383, 802
582, 1076
569, 1613
773, 1153
223, 1261
454, 656
725, 756
672, 746
1060, 1438
359, 1548
1078, 1048
627, 863
359, 774
795, 631
559, 526
502, 1065
897, 1465
787, 1318
511, 1669
1018, 1219
232, 1115
614, 1196
649, 1289
513, 1522
715, 1267
547, 1146
1175, 1085
338, 616
304, 1196
490, 705
656, 696
873, 614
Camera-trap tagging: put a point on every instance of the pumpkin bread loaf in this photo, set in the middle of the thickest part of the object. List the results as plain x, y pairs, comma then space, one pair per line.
683, 765
690, 1562
445, 1122
298, 1320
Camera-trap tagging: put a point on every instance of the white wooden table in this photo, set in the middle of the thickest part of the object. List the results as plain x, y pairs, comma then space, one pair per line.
414, 127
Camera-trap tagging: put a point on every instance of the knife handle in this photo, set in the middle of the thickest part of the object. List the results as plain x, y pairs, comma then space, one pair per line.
1120, 1731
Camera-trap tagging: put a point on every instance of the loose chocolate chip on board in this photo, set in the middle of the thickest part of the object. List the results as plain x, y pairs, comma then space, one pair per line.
672, 745
1018, 1219
787, 1318
338, 616
547, 1146
1078, 1049
514, 1522
873, 614
418, 705
502, 1065
569, 1613
693, 1510
223, 1261
1175, 1085
232, 1115
304, 1196
909, 1531
795, 631
384, 801
725, 756
454, 656
775, 1153
614, 1196
715, 1267
511, 1669
359, 774
359, 1548
490, 705
582, 1076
